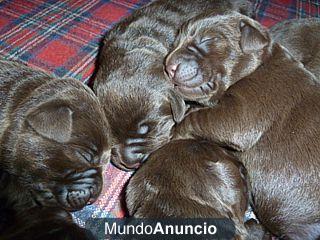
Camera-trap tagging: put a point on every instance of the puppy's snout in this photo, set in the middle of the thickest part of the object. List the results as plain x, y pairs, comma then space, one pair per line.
171, 70
182, 71
127, 158
83, 188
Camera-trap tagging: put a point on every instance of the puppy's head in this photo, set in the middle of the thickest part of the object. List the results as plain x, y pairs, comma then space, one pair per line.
141, 119
189, 178
56, 144
212, 52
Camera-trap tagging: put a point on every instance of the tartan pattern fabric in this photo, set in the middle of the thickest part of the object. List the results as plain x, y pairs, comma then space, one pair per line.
62, 37
272, 11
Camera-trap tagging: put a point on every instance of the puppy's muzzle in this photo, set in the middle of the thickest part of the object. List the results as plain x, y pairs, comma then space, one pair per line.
83, 188
184, 72
188, 78
128, 158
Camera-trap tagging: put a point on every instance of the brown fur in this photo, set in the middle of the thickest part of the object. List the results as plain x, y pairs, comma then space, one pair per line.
269, 114
130, 82
43, 224
53, 135
206, 62
53, 140
190, 179
302, 38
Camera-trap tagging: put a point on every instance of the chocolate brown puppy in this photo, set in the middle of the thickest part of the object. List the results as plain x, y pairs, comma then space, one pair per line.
53, 139
130, 81
190, 179
269, 114
302, 38
205, 63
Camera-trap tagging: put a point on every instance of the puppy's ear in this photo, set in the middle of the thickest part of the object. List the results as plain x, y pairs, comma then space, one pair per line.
52, 121
253, 36
178, 106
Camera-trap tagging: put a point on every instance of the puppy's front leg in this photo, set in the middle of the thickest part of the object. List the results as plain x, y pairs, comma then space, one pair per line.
232, 123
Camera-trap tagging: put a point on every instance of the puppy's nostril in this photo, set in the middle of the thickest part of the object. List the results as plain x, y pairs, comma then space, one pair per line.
171, 70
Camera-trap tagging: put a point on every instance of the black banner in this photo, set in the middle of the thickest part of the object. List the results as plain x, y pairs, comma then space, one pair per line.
166, 229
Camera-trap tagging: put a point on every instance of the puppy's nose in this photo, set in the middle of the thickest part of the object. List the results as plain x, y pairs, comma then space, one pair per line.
171, 70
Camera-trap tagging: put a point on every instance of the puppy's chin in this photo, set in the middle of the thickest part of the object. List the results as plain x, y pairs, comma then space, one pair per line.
74, 193
204, 90
72, 200
195, 93
196, 87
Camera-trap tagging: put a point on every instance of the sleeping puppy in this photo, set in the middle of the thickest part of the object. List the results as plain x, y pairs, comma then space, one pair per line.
130, 82
302, 38
266, 107
53, 139
204, 63
190, 179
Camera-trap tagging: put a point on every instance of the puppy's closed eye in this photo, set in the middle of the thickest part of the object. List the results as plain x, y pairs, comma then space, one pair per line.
193, 49
86, 155
210, 42
205, 40
203, 45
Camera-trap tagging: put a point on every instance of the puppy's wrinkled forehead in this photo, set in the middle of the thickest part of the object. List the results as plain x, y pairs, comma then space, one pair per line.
204, 26
125, 110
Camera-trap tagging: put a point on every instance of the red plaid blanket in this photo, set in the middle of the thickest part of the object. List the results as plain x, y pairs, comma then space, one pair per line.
62, 37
